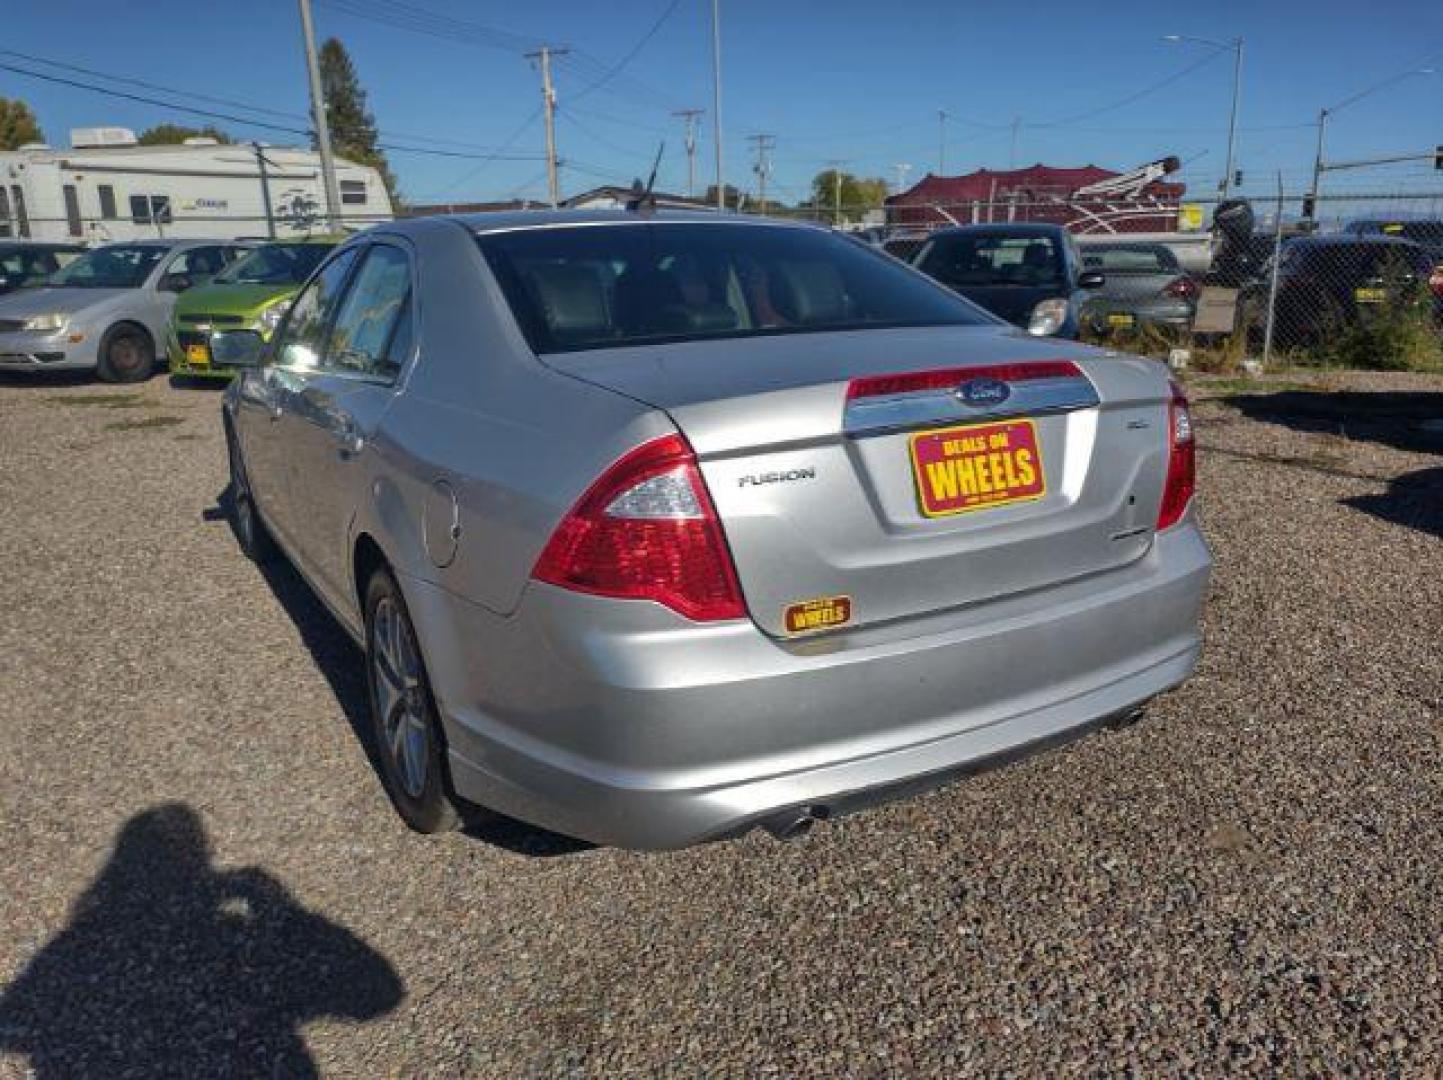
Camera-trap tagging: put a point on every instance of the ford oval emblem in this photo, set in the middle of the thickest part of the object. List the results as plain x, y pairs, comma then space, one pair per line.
984, 391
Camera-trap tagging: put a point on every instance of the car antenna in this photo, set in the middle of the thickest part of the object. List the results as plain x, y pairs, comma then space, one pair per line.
642, 200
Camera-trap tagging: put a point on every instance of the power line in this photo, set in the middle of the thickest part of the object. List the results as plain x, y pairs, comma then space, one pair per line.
287, 129
617, 68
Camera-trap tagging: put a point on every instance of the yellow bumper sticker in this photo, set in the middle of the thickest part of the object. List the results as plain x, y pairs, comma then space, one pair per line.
822, 613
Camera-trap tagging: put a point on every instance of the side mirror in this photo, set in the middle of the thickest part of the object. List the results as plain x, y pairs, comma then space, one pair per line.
242, 349
1090, 279
175, 283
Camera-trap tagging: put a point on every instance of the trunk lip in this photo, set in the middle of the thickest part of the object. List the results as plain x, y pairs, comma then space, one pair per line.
873, 417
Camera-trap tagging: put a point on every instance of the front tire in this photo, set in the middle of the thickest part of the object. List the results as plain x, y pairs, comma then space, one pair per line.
404, 720
127, 355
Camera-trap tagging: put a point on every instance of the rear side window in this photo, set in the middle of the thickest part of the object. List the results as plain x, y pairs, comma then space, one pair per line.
600, 286
371, 315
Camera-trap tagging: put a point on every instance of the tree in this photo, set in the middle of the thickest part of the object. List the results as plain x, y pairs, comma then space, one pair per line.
732, 196
353, 127
176, 134
856, 195
17, 125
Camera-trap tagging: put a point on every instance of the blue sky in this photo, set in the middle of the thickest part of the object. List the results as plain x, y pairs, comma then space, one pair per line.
845, 80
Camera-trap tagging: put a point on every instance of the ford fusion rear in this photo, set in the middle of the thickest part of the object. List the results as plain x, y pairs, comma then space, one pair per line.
693, 524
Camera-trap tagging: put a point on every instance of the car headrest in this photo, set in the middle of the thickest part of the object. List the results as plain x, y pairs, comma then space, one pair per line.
571, 298
810, 292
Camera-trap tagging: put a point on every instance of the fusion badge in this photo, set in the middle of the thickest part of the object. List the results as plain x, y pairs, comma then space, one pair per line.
977, 467
823, 613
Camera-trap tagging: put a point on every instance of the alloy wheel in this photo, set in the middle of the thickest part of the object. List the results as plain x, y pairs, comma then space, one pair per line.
400, 696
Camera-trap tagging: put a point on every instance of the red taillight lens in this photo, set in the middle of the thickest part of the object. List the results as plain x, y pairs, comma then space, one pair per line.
647, 530
947, 378
1181, 480
1183, 288
1435, 281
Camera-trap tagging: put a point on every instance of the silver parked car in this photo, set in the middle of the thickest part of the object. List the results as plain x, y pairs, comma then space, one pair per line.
659, 527
107, 311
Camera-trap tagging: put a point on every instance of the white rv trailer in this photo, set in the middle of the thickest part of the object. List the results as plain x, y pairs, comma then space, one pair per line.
105, 187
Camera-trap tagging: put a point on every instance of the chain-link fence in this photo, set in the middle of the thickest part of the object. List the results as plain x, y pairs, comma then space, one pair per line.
1352, 278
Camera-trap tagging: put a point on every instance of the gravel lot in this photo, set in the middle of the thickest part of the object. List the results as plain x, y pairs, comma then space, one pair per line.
202, 875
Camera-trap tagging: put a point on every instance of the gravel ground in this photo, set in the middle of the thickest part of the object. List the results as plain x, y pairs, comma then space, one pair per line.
201, 874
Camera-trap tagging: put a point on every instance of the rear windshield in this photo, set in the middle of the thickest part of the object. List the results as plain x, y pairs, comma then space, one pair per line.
1361, 259
989, 259
1130, 259
595, 287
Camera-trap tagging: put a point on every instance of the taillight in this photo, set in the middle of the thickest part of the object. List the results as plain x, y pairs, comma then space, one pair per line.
1435, 281
647, 530
1183, 288
1181, 480
948, 378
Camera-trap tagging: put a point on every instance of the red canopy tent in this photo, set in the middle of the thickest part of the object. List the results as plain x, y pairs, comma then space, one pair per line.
1086, 199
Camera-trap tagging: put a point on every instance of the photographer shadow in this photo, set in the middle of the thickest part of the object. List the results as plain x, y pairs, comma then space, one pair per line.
171, 966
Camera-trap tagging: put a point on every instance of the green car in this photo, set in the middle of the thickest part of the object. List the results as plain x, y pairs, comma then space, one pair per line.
248, 297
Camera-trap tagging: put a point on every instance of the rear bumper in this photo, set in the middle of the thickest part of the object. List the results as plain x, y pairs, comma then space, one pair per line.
622, 724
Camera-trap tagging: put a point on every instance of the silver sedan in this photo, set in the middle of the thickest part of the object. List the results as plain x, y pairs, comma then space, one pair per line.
656, 528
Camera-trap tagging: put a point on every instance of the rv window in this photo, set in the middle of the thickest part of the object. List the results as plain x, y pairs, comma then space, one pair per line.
22, 219
150, 209
72, 210
107, 202
353, 192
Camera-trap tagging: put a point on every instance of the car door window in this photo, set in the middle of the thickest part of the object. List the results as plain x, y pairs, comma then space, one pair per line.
371, 316
198, 265
301, 343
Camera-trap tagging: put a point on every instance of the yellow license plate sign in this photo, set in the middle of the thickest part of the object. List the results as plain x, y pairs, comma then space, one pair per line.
821, 613
197, 355
977, 467
1122, 321
1370, 296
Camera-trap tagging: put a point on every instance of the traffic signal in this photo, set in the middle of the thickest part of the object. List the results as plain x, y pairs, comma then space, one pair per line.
1438, 157
1310, 204
1238, 174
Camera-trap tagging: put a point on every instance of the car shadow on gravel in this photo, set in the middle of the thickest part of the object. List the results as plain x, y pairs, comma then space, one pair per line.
342, 664
1414, 500
173, 966
1400, 419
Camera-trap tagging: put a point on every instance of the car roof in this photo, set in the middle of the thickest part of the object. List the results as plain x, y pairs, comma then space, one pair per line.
506, 220
42, 245
1004, 228
1351, 240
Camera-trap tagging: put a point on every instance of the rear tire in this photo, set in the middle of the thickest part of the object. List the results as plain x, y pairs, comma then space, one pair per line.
127, 355
405, 724
251, 532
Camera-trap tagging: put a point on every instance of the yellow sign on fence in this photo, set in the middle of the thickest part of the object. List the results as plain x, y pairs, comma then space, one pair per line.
1189, 217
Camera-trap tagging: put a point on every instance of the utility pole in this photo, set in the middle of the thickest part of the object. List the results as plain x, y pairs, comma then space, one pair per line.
1318, 163
548, 105
689, 116
261, 164
318, 115
716, 117
1236, 45
1012, 156
903, 168
1233, 112
941, 142
763, 167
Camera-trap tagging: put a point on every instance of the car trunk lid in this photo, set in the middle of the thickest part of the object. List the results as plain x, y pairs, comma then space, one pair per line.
835, 489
